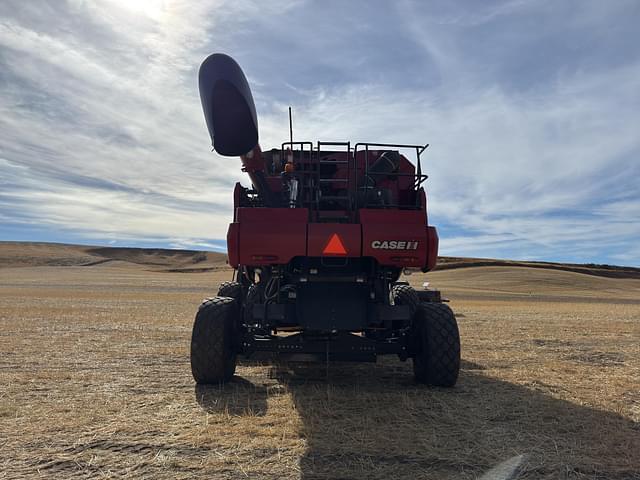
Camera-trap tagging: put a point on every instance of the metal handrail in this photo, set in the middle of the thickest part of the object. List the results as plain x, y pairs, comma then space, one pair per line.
351, 162
419, 176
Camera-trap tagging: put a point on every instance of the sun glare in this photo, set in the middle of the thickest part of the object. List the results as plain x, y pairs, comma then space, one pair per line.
154, 9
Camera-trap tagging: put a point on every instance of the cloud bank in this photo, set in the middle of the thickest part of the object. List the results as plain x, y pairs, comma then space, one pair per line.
531, 110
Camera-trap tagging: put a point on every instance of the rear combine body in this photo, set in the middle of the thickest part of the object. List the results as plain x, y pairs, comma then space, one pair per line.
318, 243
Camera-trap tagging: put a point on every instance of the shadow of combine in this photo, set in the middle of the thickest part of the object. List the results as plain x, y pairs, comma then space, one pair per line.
238, 397
373, 421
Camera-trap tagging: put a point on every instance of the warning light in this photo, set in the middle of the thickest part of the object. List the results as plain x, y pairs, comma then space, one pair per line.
335, 246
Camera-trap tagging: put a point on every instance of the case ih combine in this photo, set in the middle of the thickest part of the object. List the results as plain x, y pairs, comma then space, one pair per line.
318, 244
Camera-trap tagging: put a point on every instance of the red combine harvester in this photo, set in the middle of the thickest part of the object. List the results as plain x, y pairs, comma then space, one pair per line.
318, 244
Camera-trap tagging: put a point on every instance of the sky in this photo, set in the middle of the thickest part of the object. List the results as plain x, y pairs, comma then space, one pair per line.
531, 110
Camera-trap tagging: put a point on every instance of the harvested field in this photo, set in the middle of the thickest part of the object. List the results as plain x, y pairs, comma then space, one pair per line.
95, 380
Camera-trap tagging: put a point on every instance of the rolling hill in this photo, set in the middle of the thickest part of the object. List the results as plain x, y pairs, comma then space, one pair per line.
31, 254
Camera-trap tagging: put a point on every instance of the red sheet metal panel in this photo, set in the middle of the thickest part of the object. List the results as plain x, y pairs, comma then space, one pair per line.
325, 240
395, 237
271, 235
232, 244
432, 253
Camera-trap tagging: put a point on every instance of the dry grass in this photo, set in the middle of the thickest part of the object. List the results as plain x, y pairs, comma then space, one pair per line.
95, 382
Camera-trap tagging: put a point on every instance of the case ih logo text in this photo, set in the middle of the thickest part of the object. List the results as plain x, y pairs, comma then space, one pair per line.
394, 245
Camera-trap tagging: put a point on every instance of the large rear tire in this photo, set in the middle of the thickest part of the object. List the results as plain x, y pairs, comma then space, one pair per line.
213, 341
231, 289
405, 295
437, 361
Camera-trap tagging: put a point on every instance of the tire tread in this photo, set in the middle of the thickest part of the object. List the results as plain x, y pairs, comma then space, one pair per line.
212, 349
405, 295
438, 361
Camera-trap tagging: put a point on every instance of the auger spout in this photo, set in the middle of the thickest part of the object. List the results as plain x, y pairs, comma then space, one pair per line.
230, 114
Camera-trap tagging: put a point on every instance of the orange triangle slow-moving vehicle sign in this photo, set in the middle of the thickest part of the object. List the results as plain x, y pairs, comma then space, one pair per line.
335, 246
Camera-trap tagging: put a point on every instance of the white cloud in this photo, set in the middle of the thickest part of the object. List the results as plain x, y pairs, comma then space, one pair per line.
73, 115
102, 133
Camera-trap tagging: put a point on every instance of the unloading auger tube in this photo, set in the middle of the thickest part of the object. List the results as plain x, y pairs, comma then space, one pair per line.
317, 244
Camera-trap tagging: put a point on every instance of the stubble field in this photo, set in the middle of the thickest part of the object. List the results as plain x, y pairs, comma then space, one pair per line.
95, 380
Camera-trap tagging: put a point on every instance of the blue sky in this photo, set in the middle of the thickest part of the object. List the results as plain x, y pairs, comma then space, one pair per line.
532, 110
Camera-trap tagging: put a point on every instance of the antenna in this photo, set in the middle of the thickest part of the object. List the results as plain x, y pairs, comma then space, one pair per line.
290, 128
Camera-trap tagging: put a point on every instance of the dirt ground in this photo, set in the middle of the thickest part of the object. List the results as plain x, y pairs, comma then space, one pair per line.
95, 383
